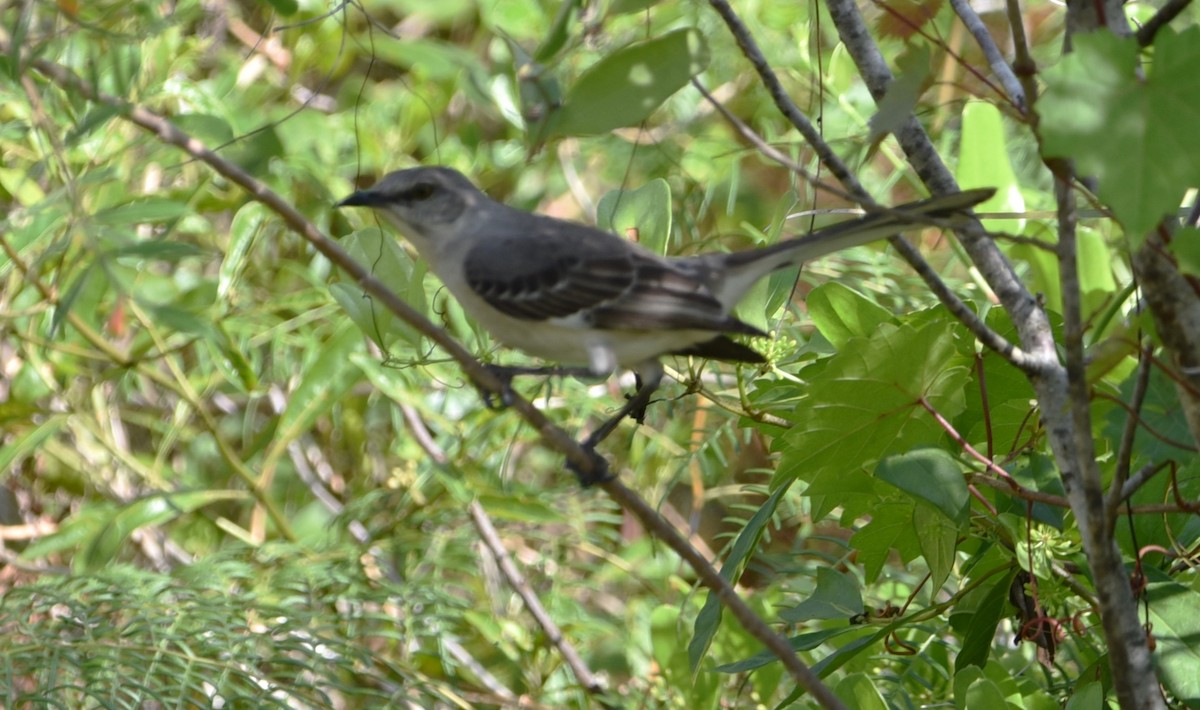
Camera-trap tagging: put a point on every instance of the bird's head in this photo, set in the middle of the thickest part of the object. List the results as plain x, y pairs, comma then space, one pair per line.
426, 203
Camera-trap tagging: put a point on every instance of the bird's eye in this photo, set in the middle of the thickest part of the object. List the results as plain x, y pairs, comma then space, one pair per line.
420, 191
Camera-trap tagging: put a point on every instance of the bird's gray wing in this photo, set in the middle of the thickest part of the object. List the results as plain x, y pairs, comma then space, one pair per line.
555, 269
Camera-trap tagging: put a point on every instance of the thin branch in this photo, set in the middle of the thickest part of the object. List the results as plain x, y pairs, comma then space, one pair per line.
552, 436
1024, 361
491, 540
1166, 13
1141, 384
1000, 67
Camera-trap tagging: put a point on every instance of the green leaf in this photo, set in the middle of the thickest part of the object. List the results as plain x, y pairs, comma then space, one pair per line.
930, 475
936, 537
983, 161
803, 642
22, 445
890, 528
642, 214
896, 106
284, 7
1137, 136
322, 383
837, 596
246, 225
153, 510
142, 211
983, 693
865, 404
981, 622
1185, 245
857, 691
709, 618
158, 249
1177, 633
841, 313
625, 87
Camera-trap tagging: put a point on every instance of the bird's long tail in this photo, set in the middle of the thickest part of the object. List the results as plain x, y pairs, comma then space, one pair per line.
746, 267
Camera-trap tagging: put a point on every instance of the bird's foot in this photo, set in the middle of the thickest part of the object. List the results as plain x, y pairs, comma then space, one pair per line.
598, 470
504, 398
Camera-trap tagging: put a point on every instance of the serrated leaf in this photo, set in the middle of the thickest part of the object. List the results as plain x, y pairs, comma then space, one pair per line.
643, 213
837, 596
841, 313
625, 87
890, 528
865, 404
1136, 135
936, 537
930, 475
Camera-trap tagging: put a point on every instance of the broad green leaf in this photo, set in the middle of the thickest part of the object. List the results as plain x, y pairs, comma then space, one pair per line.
896, 106
388, 263
931, 475
1185, 245
642, 214
75, 532
321, 384
22, 445
664, 634
145, 210
857, 691
890, 528
981, 623
983, 161
1136, 135
709, 618
936, 537
983, 693
837, 596
523, 509
152, 510
158, 249
625, 87
21, 186
866, 404
284, 7
246, 225
1176, 625
1087, 696
841, 313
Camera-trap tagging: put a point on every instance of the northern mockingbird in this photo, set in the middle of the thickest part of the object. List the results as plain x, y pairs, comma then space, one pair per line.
575, 295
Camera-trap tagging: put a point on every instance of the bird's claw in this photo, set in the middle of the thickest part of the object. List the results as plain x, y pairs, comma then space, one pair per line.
505, 397
599, 469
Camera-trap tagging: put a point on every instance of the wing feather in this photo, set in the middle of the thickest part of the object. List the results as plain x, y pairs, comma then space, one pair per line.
550, 269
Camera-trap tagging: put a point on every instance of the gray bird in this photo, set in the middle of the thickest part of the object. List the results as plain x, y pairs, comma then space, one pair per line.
575, 295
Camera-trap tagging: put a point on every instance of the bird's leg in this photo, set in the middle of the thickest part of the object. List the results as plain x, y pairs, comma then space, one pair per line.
648, 380
506, 373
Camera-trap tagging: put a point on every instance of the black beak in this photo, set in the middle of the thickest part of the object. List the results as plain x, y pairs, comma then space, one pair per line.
362, 198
